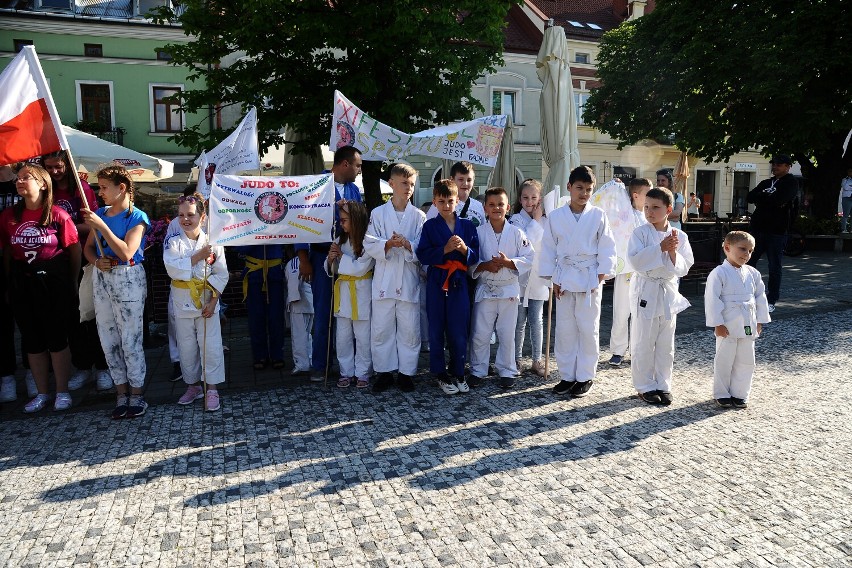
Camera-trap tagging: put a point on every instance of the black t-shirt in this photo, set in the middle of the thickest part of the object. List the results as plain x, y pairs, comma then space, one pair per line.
773, 200
8, 193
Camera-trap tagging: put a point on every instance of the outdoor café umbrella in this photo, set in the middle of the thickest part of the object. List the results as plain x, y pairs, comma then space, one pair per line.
504, 170
681, 173
300, 164
559, 146
92, 153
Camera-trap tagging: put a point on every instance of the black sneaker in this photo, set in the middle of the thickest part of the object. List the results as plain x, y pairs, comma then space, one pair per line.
121, 406
473, 381
616, 360
724, 402
564, 387
136, 406
507, 382
651, 397
177, 374
739, 403
405, 382
383, 382
665, 397
580, 388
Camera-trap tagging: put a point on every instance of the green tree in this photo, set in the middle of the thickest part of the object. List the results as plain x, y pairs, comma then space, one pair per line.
408, 63
722, 77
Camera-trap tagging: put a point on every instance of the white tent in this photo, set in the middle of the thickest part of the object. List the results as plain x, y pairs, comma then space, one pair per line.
92, 153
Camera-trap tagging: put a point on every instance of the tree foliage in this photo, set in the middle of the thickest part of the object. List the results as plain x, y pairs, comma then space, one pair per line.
723, 77
408, 63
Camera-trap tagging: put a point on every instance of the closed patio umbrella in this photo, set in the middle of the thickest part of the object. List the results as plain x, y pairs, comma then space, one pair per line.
681, 174
504, 170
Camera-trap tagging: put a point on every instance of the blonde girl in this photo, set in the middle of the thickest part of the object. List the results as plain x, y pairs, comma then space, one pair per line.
529, 216
191, 261
41, 254
352, 295
114, 247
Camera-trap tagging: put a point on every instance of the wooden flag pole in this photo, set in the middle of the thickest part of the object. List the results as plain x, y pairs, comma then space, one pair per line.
547, 350
83, 198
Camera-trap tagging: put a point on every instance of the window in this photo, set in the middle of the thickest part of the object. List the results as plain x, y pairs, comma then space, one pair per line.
20, 43
580, 103
503, 102
63, 4
96, 104
167, 116
93, 50
163, 55
575, 24
581, 58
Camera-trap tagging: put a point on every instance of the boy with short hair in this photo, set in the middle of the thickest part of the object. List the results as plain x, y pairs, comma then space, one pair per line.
463, 174
509, 254
578, 253
619, 338
736, 307
660, 255
391, 240
448, 245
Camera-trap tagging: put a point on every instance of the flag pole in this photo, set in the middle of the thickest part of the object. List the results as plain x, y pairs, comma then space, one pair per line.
549, 317
83, 199
203, 294
331, 309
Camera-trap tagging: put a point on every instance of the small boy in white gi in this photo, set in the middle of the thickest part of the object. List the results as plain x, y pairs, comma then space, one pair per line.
300, 306
736, 307
392, 237
578, 253
659, 256
509, 255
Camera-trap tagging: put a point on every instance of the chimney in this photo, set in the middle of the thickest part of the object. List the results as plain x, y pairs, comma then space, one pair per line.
637, 8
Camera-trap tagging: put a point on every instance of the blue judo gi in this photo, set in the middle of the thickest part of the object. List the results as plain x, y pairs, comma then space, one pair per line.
265, 269
449, 311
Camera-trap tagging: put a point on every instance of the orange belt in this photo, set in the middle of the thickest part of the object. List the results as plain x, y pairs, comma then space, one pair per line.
451, 266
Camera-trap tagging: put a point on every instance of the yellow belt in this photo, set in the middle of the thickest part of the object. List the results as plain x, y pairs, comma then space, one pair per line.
353, 299
253, 264
195, 287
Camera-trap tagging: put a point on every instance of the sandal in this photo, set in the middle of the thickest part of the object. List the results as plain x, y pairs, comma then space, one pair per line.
362, 383
344, 382
260, 365
278, 364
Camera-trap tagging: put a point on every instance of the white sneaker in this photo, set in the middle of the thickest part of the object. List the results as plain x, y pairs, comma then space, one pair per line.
462, 385
32, 389
8, 389
771, 308
79, 379
448, 386
493, 337
104, 380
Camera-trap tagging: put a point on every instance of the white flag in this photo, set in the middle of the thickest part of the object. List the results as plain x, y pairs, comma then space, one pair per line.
236, 153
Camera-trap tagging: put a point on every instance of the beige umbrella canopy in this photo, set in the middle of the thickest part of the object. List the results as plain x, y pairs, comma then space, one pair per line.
559, 145
300, 164
681, 174
504, 170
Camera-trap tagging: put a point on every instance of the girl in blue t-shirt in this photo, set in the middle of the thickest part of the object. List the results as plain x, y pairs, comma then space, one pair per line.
114, 247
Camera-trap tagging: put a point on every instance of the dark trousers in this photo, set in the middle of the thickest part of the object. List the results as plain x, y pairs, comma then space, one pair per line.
321, 288
266, 314
7, 334
449, 318
773, 246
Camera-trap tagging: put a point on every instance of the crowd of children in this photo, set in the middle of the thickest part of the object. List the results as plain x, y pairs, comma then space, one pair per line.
475, 269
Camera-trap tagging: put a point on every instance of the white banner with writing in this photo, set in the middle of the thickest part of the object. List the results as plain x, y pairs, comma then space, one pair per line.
476, 141
257, 210
236, 153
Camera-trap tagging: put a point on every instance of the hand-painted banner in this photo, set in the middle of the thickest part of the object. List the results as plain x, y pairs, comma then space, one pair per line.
236, 153
254, 210
476, 141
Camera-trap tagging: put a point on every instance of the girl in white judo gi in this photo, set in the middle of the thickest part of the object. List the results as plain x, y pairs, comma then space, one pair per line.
529, 217
189, 259
300, 307
736, 307
659, 256
391, 240
351, 295
578, 253
509, 254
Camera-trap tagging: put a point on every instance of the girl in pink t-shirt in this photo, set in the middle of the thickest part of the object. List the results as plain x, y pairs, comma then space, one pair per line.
41, 252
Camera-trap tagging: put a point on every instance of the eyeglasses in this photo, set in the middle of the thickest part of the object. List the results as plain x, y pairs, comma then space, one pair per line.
25, 179
191, 199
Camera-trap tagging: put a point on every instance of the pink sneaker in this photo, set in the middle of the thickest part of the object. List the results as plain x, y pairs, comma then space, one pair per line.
193, 393
213, 400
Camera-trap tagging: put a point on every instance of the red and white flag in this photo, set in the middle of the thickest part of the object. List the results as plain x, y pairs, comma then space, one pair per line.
29, 123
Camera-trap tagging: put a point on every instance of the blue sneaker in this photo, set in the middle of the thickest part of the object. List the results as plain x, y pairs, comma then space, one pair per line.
121, 405
136, 406
616, 360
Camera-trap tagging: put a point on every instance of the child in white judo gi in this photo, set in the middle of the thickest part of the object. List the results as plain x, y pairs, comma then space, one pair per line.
199, 276
659, 256
300, 307
578, 253
736, 307
351, 295
509, 254
619, 338
391, 240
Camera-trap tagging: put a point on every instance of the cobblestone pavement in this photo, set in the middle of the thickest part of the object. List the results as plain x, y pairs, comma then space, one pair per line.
297, 476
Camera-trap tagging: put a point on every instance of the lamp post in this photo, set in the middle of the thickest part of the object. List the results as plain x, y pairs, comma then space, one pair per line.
728, 171
606, 166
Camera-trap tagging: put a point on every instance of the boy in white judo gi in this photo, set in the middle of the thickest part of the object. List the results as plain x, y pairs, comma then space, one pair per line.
300, 307
578, 254
392, 237
509, 254
735, 306
660, 255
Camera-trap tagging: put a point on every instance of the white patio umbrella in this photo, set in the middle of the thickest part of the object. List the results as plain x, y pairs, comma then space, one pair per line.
559, 146
92, 153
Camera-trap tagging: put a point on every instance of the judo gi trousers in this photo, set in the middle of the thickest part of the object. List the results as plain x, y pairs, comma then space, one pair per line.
578, 319
652, 357
174, 352
619, 336
486, 313
266, 320
190, 336
119, 306
395, 336
300, 335
353, 348
449, 315
733, 367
